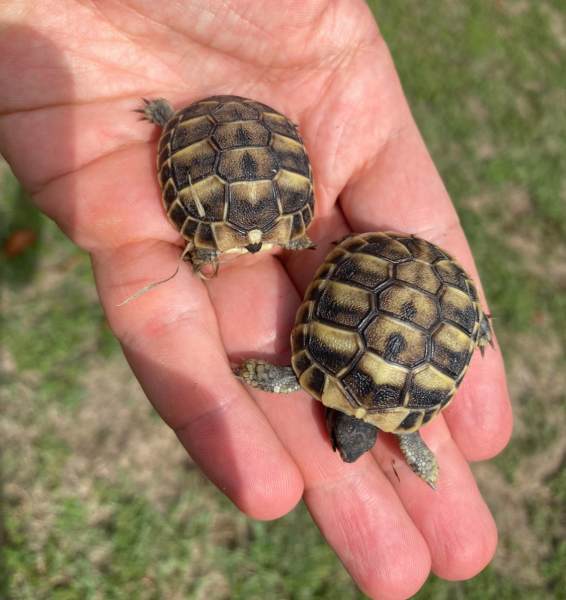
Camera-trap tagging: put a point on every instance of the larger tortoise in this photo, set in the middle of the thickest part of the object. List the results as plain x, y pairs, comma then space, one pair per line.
383, 338
235, 177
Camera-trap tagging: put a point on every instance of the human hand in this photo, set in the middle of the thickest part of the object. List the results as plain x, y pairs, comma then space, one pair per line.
70, 76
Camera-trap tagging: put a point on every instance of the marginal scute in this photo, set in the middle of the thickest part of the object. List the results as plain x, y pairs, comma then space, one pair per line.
293, 189
290, 155
279, 233
411, 422
165, 173
304, 313
169, 194
189, 228
313, 380
301, 362
334, 397
451, 349
298, 227
429, 387
458, 307
204, 236
280, 124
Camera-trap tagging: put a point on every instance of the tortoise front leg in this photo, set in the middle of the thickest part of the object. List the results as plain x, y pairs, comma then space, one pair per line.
418, 456
267, 377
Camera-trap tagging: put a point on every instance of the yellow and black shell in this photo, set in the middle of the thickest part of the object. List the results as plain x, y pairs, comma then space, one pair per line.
235, 174
387, 329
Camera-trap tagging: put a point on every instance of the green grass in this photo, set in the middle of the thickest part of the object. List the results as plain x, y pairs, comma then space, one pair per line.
88, 510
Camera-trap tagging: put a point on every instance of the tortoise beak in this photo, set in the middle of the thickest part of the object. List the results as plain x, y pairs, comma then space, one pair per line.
253, 248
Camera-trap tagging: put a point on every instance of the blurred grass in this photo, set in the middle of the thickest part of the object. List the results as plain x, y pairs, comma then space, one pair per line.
89, 512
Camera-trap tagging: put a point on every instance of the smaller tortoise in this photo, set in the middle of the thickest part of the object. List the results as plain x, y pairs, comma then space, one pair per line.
383, 339
234, 175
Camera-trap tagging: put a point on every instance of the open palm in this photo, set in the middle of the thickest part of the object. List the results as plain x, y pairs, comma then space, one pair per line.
70, 77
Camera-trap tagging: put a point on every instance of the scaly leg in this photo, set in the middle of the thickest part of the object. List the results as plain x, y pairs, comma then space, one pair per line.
267, 377
201, 259
156, 111
302, 243
419, 457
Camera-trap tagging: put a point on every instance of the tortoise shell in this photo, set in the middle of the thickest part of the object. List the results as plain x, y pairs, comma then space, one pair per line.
235, 173
387, 329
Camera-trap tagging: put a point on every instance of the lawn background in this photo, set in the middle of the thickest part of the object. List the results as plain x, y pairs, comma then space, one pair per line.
88, 509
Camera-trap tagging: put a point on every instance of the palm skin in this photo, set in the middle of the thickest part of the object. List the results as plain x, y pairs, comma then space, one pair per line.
71, 75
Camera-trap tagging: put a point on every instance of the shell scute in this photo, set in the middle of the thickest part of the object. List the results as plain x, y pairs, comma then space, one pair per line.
193, 163
363, 269
252, 204
343, 304
190, 132
247, 164
375, 384
395, 341
205, 200
334, 349
240, 134
409, 305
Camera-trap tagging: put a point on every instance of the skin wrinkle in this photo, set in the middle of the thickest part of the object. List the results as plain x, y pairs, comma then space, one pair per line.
56, 180
171, 71
214, 412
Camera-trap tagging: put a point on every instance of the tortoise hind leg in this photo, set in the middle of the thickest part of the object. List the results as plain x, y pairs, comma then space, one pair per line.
267, 377
419, 457
200, 259
352, 437
302, 243
157, 111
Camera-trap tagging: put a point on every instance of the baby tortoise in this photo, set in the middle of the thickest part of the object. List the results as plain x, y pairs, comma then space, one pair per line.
383, 339
234, 175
